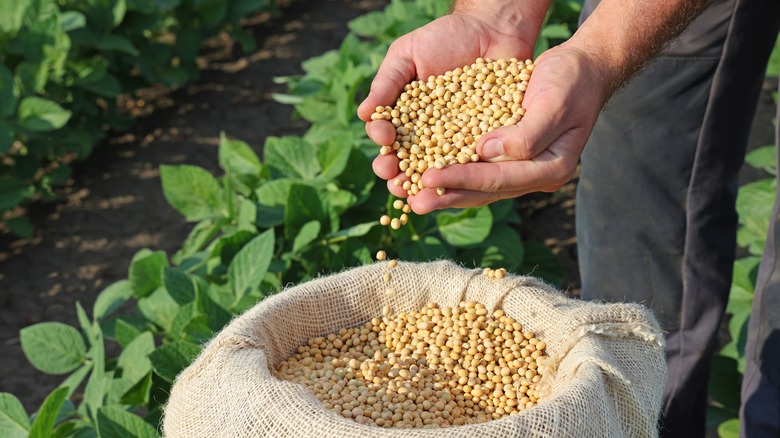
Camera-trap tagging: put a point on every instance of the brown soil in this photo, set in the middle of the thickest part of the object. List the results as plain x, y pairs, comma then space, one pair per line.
114, 205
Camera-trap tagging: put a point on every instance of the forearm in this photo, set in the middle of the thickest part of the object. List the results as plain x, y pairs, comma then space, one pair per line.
512, 17
623, 35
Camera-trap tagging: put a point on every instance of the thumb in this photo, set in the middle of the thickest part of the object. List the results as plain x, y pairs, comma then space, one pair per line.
396, 70
522, 141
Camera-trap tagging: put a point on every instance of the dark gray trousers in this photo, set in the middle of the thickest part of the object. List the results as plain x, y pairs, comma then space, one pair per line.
656, 219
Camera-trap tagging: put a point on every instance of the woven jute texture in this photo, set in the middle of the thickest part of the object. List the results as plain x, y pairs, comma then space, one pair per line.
604, 377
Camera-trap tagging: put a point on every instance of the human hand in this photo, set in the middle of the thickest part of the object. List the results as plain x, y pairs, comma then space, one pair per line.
449, 42
566, 92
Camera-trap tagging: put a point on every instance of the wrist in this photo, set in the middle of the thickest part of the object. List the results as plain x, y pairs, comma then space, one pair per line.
614, 65
621, 43
517, 18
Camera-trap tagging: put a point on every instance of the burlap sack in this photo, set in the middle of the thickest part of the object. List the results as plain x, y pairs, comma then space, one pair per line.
605, 377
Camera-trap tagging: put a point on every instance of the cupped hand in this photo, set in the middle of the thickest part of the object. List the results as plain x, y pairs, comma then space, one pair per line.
452, 41
566, 92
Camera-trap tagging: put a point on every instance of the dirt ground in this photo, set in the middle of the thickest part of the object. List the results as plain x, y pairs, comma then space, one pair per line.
114, 206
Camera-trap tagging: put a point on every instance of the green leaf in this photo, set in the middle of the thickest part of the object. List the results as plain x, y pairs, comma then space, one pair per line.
249, 266
743, 281
118, 11
107, 86
67, 409
125, 332
193, 191
763, 158
9, 94
319, 67
211, 12
47, 414
291, 156
360, 179
239, 161
351, 253
72, 20
556, 31
111, 298
99, 381
542, 44
66, 429
74, 380
21, 226
316, 110
12, 15
216, 316
197, 329
358, 230
268, 217
159, 308
540, 262
138, 394
185, 314
468, 227
116, 422
369, 25
13, 419
309, 232
716, 416
502, 248
503, 210
7, 136
247, 215
333, 157
32, 77
429, 248
91, 331
12, 192
773, 68
146, 272
286, 99
38, 114
754, 205
179, 285
725, 383
729, 429
53, 347
228, 245
134, 365
276, 192
200, 235
116, 43
170, 359
303, 205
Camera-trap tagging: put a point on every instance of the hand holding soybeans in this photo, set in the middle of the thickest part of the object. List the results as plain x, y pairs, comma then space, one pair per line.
560, 106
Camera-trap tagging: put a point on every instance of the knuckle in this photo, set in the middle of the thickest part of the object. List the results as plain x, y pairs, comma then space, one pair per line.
564, 173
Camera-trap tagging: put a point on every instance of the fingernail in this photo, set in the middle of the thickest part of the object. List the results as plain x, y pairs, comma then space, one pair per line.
493, 148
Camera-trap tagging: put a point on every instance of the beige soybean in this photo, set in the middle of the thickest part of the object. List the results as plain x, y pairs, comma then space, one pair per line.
438, 121
436, 367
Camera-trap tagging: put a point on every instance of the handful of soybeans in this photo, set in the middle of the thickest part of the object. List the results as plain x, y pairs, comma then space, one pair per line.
439, 121
436, 367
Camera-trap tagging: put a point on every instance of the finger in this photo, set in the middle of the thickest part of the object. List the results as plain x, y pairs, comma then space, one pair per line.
427, 200
545, 170
397, 190
385, 166
523, 141
396, 71
381, 132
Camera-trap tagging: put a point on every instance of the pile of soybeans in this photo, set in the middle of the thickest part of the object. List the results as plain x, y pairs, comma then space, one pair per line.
439, 121
436, 367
